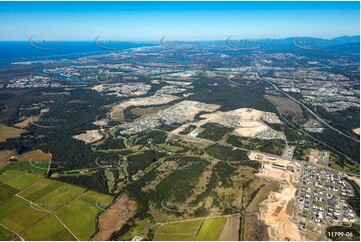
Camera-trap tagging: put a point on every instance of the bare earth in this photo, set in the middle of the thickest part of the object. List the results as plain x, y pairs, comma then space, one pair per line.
146, 101
113, 218
356, 131
247, 121
230, 230
90, 136
273, 209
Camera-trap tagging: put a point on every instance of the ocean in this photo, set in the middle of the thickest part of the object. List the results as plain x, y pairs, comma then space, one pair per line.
15, 51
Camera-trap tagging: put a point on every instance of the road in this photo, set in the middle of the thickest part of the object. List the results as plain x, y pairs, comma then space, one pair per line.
313, 113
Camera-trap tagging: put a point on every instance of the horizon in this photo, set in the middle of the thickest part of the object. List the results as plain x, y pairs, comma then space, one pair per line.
202, 40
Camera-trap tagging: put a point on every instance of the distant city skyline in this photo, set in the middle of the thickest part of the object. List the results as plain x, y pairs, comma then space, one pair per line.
150, 21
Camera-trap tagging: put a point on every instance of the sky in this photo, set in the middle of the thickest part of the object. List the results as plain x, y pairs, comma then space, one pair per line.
150, 21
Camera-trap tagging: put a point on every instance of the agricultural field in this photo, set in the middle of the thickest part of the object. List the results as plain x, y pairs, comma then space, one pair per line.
211, 229
36, 208
200, 230
178, 231
35, 161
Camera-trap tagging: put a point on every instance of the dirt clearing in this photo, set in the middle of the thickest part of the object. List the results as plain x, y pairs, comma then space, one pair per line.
114, 217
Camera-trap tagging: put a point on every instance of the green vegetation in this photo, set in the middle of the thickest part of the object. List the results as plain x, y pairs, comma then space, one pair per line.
32, 166
178, 231
83, 211
224, 153
178, 185
152, 136
211, 229
275, 147
188, 129
111, 144
74, 206
141, 161
214, 131
6, 235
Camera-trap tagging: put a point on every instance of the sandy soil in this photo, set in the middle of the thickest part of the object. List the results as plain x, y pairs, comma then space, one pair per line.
230, 230
273, 213
90, 136
356, 131
114, 217
273, 210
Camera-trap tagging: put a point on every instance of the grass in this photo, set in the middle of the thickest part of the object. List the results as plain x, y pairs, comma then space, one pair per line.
62, 235
7, 132
75, 206
178, 231
23, 181
22, 219
110, 179
60, 197
5, 194
211, 229
6, 235
171, 148
84, 211
40, 189
10, 206
44, 229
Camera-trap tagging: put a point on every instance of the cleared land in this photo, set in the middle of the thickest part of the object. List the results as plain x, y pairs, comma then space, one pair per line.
91, 136
211, 229
35, 161
4, 157
178, 231
230, 231
273, 209
7, 132
36, 208
117, 111
114, 217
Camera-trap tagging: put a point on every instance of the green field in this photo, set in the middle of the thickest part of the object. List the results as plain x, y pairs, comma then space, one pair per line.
6, 235
83, 211
35, 166
178, 231
211, 229
26, 202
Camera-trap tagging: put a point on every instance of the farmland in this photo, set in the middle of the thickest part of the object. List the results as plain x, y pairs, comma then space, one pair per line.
29, 203
201, 229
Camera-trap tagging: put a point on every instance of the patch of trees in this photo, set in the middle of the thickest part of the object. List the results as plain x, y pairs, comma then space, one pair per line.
142, 160
153, 136
179, 184
355, 200
188, 129
275, 146
214, 131
111, 144
224, 153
